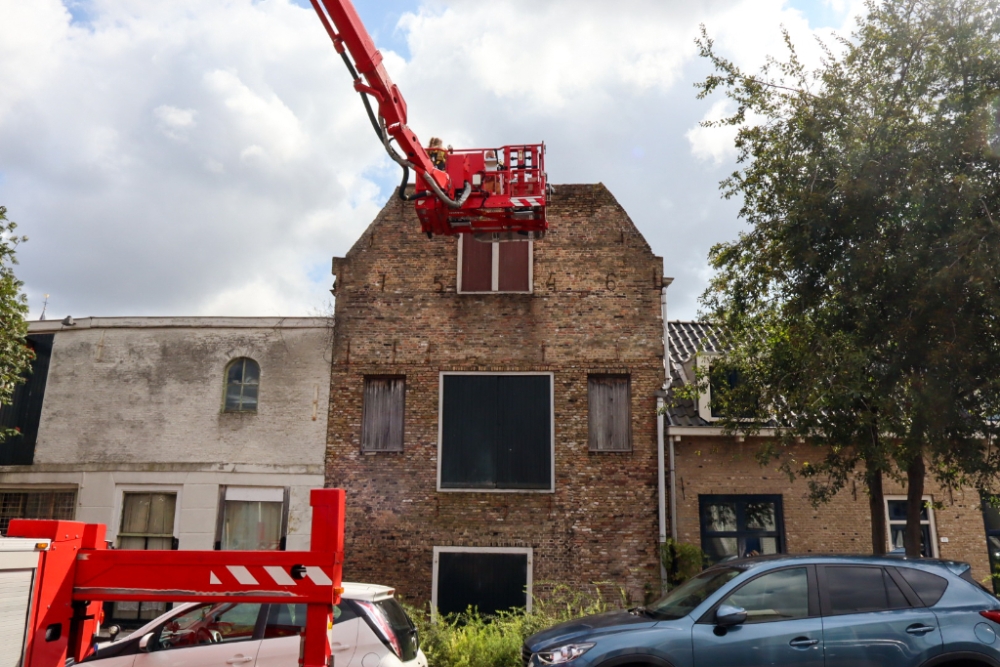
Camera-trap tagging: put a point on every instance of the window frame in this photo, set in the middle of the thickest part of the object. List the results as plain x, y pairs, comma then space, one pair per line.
931, 523
779, 519
115, 528
703, 366
495, 268
364, 413
591, 444
122, 489
815, 607
552, 432
225, 387
29, 490
437, 551
220, 514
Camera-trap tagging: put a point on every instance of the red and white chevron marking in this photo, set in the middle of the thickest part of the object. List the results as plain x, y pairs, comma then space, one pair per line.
268, 574
525, 201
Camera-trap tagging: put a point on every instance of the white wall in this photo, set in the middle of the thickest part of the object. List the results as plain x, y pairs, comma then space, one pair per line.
136, 404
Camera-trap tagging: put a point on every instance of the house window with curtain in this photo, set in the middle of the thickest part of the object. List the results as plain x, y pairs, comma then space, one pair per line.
252, 518
147, 523
608, 413
242, 384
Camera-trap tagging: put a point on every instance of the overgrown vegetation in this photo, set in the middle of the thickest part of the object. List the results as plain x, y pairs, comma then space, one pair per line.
474, 640
681, 560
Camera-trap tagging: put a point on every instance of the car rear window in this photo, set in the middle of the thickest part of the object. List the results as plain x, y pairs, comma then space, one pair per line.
928, 587
390, 622
858, 589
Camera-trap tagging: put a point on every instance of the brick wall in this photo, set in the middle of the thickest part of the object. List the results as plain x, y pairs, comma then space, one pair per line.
594, 308
722, 465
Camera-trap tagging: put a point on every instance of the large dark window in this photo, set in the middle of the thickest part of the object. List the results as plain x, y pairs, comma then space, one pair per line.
25, 410
488, 581
741, 526
496, 432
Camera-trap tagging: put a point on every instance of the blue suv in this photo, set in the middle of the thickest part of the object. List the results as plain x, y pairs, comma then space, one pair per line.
795, 611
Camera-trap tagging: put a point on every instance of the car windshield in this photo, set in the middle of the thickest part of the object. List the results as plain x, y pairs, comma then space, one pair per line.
681, 601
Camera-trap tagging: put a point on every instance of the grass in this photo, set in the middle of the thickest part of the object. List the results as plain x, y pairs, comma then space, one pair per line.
474, 640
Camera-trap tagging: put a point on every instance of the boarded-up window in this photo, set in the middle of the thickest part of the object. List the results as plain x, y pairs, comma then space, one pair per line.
25, 410
496, 432
610, 425
494, 267
492, 581
382, 427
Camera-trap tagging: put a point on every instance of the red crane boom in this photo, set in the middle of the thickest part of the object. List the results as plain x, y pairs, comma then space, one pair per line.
497, 194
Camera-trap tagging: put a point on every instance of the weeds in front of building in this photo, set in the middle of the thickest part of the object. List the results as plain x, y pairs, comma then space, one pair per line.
472, 639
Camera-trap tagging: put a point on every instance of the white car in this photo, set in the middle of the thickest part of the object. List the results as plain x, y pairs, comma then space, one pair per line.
370, 629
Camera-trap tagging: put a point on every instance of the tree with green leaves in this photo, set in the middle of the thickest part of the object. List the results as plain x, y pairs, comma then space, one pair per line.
861, 310
15, 355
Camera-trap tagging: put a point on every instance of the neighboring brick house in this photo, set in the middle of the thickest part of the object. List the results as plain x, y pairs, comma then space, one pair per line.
176, 433
727, 503
493, 408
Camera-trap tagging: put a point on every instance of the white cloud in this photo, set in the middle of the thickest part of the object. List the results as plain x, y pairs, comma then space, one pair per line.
209, 157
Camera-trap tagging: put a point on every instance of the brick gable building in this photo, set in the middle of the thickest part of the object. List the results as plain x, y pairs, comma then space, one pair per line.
492, 406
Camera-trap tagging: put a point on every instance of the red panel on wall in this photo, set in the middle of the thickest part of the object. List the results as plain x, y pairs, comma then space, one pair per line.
477, 265
514, 257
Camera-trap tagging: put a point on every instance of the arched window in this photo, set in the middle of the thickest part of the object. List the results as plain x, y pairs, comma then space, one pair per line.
242, 382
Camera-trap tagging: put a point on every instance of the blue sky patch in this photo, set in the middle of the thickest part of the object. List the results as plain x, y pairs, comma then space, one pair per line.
380, 18
819, 13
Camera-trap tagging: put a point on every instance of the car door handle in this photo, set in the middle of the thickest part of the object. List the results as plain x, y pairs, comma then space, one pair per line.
238, 660
337, 646
803, 642
919, 629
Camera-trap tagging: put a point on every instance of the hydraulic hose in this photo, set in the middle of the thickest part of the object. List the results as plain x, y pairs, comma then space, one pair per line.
383, 135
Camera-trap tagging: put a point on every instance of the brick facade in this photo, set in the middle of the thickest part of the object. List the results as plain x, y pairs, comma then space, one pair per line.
594, 308
709, 462
723, 465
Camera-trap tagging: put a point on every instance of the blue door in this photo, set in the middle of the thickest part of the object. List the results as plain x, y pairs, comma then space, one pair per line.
782, 628
870, 620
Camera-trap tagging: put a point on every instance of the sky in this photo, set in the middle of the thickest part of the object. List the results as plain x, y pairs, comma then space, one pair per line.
209, 157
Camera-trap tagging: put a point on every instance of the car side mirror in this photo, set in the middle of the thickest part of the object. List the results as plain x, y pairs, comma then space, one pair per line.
113, 631
144, 642
727, 615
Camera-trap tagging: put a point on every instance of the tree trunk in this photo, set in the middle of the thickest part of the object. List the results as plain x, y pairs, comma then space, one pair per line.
914, 504
876, 507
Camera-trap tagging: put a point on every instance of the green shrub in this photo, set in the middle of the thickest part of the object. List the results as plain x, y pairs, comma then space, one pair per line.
681, 560
475, 640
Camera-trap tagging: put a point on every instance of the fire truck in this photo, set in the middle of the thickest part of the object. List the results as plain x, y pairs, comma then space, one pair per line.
495, 194
54, 575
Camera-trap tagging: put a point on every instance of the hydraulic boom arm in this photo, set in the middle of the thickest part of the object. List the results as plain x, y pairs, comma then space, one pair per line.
494, 193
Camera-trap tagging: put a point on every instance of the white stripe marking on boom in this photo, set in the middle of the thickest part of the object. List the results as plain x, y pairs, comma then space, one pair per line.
279, 575
318, 576
242, 575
